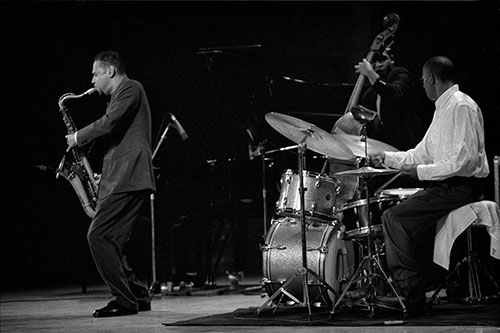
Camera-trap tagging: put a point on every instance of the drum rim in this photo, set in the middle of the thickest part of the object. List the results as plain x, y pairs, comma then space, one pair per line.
386, 191
290, 212
363, 231
363, 202
310, 174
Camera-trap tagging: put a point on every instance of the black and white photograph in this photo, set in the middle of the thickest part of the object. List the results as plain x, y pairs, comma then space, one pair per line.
250, 166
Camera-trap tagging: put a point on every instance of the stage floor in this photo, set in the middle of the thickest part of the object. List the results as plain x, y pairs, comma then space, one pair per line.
69, 310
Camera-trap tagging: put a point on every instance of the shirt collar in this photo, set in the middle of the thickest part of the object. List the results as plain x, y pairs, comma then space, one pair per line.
443, 99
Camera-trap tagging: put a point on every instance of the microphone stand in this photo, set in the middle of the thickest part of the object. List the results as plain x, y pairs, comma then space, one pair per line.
155, 287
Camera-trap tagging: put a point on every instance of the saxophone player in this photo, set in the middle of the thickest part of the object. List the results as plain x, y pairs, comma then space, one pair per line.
126, 182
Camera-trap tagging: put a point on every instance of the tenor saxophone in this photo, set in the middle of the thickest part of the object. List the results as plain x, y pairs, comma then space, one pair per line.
75, 167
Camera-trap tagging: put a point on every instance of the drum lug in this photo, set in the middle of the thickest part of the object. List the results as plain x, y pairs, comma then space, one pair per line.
313, 206
321, 249
266, 247
341, 232
317, 184
338, 187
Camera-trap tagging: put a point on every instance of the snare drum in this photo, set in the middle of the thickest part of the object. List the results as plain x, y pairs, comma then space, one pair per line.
319, 195
355, 213
399, 193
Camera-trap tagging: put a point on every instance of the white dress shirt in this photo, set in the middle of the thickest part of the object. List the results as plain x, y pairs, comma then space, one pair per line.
453, 144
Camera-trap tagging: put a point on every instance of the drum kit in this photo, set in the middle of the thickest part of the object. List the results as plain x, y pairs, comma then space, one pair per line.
309, 252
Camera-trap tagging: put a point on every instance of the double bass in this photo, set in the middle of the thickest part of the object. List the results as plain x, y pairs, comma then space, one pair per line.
356, 116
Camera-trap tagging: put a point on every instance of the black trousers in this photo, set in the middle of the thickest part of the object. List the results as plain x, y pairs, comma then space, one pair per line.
413, 221
107, 236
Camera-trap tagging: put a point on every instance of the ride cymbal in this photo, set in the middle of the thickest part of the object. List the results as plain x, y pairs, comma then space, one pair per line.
316, 139
357, 145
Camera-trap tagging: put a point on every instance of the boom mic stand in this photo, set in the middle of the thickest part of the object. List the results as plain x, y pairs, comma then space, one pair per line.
304, 270
155, 287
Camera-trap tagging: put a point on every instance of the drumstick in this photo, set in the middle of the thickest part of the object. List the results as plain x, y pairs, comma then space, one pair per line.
386, 183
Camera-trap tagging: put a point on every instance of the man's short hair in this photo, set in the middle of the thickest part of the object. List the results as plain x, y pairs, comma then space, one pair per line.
442, 68
111, 58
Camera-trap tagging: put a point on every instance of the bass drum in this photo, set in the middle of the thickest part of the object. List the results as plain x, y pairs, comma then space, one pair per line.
329, 256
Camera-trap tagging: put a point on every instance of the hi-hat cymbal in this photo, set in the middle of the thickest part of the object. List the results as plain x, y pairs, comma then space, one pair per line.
366, 172
357, 145
316, 139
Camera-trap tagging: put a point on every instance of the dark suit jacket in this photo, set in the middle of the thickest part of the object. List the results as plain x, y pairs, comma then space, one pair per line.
127, 163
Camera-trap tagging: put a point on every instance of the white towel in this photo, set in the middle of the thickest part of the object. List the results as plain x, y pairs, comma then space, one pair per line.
451, 226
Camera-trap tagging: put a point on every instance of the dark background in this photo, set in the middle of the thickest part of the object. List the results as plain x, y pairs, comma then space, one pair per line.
48, 50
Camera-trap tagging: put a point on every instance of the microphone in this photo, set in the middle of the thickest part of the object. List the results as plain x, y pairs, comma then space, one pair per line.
44, 167
222, 49
178, 127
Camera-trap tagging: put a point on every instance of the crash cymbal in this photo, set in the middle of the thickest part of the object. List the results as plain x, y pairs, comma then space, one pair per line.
366, 172
357, 146
316, 139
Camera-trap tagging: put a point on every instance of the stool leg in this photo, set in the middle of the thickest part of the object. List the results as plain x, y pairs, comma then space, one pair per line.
473, 267
474, 264
474, 286
496, 292
445, 283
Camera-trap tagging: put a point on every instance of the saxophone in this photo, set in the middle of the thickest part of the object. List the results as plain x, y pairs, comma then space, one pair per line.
77, 170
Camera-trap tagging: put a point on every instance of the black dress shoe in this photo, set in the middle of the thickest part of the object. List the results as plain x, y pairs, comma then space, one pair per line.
113, 309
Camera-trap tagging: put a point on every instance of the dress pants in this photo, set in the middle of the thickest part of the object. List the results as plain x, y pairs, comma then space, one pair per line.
108, 235
414, 220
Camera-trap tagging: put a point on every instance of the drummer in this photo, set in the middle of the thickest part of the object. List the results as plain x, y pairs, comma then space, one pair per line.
452, 156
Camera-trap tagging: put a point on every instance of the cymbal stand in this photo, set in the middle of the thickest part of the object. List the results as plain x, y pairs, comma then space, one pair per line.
260, 152
304, 270
371, 260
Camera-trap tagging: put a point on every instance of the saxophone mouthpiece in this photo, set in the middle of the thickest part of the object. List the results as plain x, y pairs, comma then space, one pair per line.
90, 91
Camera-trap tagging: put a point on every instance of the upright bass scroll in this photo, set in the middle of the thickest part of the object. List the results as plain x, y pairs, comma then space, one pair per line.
78, 171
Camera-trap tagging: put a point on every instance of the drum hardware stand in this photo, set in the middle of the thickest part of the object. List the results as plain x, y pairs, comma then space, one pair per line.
224, 229
304, 270
371, 259
259, 151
